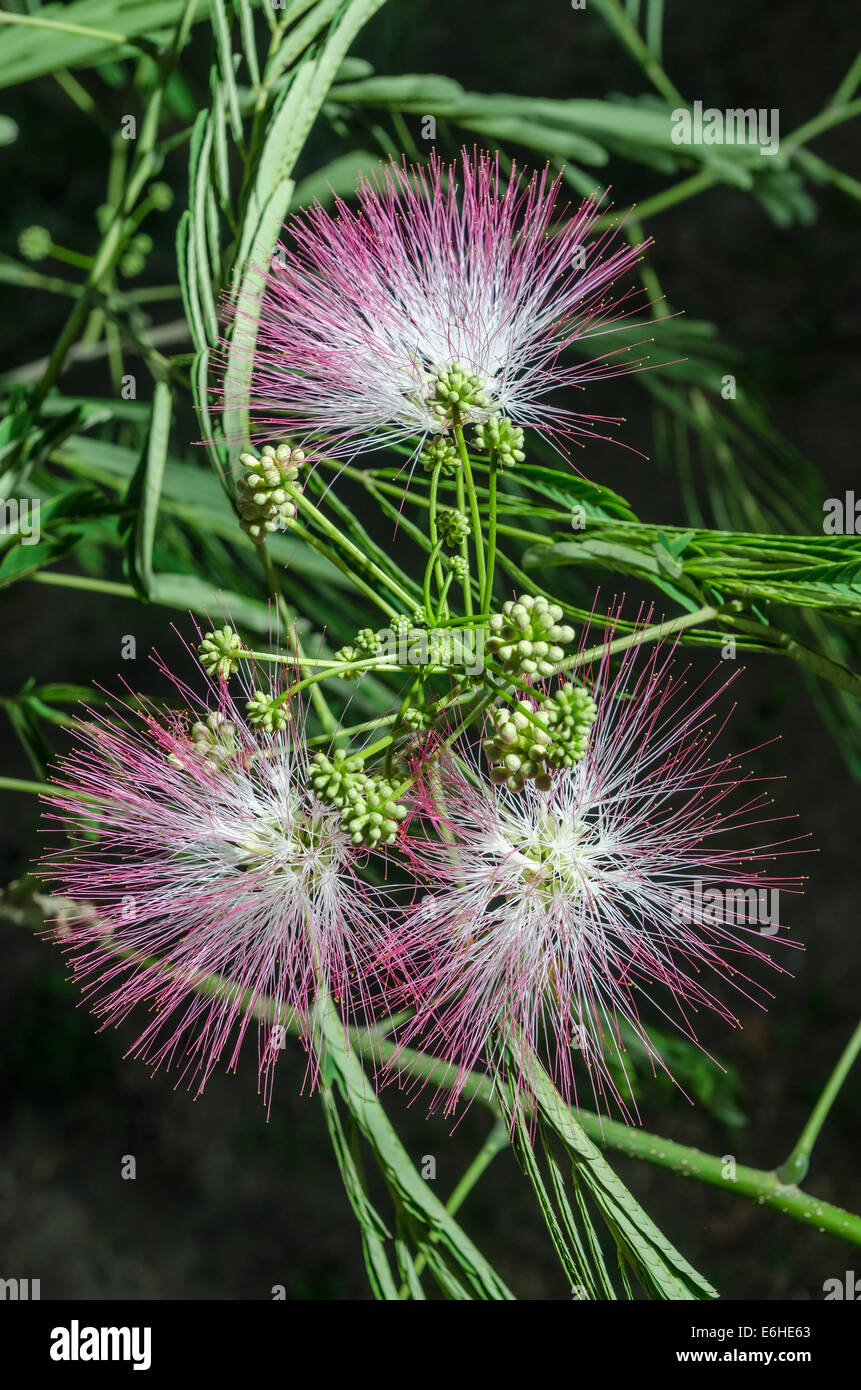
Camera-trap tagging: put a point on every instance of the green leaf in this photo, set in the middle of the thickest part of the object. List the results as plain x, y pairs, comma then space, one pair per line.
85, 32
338, 178
221, 29
145, 490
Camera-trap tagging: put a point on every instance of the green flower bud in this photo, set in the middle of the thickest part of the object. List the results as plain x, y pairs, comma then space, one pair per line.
569, 715
456, 390
440, 450
132, 263
267, 712
402, 626
338, 779
369, 812
219, 652
453, 527
34, 243
517, 746
527, 636
529, 741
367, 642
373, 818
161, 196
501, 437
419, 718
263, 501
215, 738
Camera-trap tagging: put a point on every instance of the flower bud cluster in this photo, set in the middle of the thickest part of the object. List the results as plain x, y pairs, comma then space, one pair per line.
528, 637
532, 739
501, 437
219, 652
264, 503
369, 810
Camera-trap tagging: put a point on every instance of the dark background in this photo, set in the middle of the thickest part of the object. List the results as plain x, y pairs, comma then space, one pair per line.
225, 1205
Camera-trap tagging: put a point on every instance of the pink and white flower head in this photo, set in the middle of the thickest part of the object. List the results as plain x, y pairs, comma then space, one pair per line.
552, 916
444, 298
214, 888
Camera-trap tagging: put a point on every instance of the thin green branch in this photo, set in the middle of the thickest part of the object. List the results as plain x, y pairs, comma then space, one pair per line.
794, 1169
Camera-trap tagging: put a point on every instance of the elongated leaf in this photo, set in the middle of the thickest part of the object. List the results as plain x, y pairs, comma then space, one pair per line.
83, 33
148, 490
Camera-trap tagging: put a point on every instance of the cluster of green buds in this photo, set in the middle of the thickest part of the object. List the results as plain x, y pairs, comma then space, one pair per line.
220, 651
133, 262
369, 810
264, 502
455, 391
214, 738
440, 451
527, 636
569, 714
364, 645
35, 243
453, 527
419, 718
501, 437
532, 739
517, 746
267, 712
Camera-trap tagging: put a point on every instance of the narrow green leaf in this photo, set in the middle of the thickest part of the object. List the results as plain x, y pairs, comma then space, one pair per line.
147, 490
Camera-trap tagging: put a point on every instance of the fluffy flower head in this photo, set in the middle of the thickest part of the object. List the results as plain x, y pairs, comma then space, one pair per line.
217, 887
447, 297
551, 914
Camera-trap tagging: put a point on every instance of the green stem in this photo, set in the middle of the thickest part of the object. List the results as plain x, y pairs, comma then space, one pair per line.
818, 168
849, 85
340, 564
756, 1184
813, 661
464, 550
147, 161
434, 539
477, 534
496, 1141
363, 561
487, 587
432, 564
831, 116
678, 193
83, 581
318, 699
794, 1169
341, 1065
58, 26
653, 633
616, 19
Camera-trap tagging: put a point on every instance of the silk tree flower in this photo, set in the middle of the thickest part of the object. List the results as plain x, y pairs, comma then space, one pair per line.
551, 915
199, 850
445, 297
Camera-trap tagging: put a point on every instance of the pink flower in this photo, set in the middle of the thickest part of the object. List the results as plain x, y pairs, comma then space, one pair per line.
366, 312
550, 915
214, 888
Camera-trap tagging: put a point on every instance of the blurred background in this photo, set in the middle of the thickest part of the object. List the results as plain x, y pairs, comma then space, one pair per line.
226, 1205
